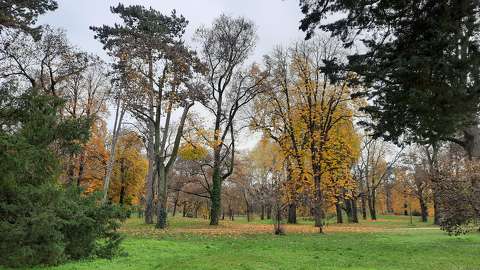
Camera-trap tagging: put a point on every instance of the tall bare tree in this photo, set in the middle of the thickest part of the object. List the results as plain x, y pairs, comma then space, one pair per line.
225, 46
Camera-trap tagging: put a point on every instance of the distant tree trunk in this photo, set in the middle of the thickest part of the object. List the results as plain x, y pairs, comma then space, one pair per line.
354, 212
184, 212
175, 202
371, 204
389, 198
122, 181
364, 206
269, 211
248, 213
423, 209
338, 209
81, 168
262, 213
230, 212
223, 213
292, 213
436, 209
195, 213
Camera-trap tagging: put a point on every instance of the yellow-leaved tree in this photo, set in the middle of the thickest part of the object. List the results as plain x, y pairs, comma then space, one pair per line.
308, 111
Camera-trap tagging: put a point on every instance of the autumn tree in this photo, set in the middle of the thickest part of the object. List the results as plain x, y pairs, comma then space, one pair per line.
304, 104
129, 170
163, 70
224, 48
414, 53
87, 93
418, 178
373, 169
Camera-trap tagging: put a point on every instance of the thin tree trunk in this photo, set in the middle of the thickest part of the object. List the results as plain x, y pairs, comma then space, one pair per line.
117, 126
122, 182
371, 205
81, 168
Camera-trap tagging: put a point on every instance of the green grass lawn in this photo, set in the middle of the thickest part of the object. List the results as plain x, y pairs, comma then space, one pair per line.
402, 247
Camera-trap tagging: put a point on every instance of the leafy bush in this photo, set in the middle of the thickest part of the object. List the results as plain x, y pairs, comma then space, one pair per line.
46, 225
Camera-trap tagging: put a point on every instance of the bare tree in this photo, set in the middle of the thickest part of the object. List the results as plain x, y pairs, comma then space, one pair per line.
224, 48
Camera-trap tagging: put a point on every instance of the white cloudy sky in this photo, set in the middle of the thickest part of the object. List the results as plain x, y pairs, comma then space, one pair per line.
277, 22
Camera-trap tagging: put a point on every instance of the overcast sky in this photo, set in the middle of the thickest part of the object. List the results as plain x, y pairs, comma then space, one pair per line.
277, 22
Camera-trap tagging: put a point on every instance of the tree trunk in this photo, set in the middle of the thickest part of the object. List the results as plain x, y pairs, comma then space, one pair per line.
262, 213
423, 209
162, 194
216, 196
371, 205
389, 198
338, 209
292, 213
122, 182
349, 210
269, 211
116, 133
364, 206
354, 210
231, 213
81, 168
318, 204
150, 180
175, 203
184, 211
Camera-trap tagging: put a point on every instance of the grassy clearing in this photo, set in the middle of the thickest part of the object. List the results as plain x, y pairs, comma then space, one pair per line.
390, 243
